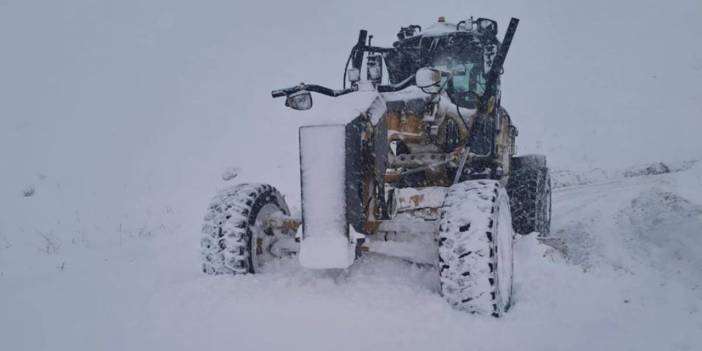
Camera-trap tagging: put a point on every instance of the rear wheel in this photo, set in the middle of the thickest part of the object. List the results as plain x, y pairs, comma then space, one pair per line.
234, 237
475, 248
529, 189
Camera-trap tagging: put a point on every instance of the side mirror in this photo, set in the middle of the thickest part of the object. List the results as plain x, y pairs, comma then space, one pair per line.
302, 100
426, 78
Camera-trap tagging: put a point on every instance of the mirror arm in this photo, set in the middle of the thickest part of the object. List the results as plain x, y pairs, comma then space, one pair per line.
330, 92
312, 88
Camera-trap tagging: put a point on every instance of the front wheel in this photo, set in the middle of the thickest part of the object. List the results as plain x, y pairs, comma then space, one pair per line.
234, 236
475, 248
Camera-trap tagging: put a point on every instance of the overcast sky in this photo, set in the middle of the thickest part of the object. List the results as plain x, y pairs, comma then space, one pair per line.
158, 97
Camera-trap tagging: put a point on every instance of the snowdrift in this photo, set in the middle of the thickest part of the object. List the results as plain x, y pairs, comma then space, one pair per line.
628, 279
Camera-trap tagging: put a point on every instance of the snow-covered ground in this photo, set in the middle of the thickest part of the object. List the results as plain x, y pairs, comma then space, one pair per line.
118, 118
630, 281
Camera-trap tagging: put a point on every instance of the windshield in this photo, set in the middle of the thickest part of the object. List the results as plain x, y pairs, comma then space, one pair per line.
460, 49
467, 77
467, 74
464, 61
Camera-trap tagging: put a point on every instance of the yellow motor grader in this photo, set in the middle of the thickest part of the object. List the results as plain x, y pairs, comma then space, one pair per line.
426, 172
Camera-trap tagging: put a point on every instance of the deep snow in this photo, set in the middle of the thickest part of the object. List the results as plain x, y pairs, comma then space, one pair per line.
630, 281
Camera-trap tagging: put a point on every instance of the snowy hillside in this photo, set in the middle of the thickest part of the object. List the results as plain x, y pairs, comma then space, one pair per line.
630, 280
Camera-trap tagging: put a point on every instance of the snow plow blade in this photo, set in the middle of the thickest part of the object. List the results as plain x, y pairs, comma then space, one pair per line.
325, 231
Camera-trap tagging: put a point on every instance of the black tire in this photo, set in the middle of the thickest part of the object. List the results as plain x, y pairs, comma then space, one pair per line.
475, 248
529, 189
232, 228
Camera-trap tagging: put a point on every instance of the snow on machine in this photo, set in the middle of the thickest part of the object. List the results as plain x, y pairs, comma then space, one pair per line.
426, 172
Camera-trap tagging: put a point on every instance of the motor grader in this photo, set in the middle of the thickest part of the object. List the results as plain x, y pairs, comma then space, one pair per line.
426, 171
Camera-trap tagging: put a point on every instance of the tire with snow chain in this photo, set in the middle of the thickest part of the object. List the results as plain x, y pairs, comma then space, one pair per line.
475, 248
233, 238
529, 189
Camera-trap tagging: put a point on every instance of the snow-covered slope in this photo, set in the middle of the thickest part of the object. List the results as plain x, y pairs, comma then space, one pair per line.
630, 281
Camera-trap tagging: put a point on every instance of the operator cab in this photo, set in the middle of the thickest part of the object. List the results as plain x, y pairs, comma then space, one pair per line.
465, 50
